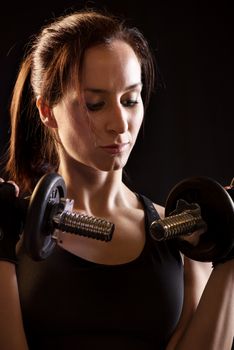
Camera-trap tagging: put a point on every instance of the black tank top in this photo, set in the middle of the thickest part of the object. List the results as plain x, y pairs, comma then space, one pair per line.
71, 303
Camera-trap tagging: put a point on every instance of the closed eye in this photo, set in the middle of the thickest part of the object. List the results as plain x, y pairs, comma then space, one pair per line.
94, 106
130, 103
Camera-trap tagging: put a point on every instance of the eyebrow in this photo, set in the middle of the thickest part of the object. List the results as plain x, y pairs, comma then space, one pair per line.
102, 91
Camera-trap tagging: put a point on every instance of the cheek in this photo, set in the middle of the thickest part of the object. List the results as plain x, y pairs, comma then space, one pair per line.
69, 123
75, 135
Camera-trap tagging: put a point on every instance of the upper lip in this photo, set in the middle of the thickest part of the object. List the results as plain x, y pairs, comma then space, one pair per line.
116, 145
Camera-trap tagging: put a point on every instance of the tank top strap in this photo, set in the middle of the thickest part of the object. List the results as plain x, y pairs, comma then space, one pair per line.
150, 211
163, 251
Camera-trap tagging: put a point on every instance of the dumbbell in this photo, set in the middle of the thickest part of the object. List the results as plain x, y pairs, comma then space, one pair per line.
46, 210
198, 204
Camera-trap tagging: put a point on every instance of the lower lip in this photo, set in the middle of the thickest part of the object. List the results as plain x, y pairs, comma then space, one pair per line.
115, 150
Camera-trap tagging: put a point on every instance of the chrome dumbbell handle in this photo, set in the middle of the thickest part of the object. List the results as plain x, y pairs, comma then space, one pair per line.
184, 223
71, 221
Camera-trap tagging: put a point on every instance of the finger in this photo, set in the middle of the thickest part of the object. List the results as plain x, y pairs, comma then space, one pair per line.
1, 180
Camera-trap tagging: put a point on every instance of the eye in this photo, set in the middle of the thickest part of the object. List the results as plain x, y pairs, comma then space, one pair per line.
130, 103
95, 106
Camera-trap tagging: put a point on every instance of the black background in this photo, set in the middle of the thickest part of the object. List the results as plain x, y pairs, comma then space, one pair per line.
189, 124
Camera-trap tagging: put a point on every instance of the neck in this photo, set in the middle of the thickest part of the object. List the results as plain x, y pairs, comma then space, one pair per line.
95, 192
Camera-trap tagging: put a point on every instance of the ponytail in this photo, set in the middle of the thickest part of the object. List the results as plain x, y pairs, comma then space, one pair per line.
32, 151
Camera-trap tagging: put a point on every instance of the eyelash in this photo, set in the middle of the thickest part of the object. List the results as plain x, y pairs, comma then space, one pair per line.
130, 103
97, 106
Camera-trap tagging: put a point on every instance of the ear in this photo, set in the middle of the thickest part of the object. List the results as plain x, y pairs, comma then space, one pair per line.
46, 113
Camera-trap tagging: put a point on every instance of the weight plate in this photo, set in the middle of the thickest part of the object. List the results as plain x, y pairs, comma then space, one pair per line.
38, 230
217, 210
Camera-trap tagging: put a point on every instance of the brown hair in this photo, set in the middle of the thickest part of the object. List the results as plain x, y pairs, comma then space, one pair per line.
55, 56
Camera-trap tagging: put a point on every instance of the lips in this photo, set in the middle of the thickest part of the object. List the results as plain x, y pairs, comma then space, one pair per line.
116, 148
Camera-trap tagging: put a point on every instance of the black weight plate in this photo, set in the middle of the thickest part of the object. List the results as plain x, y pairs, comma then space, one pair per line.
217, 210
38, 239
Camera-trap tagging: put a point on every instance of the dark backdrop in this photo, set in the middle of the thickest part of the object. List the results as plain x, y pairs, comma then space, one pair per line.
189, 124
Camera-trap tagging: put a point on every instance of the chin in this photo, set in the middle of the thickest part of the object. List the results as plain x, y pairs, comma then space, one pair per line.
112, 166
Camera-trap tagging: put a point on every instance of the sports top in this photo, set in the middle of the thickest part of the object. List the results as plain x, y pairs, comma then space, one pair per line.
71, 303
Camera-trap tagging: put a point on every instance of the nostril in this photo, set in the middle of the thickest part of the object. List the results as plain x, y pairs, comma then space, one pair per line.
118, 124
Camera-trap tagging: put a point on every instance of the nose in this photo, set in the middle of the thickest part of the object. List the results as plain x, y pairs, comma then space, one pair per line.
118, 120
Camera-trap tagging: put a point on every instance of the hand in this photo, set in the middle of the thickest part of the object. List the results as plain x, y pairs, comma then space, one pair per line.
10, 220
192, 238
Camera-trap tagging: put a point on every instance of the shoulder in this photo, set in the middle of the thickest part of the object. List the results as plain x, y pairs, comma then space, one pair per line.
196, 275
160, 209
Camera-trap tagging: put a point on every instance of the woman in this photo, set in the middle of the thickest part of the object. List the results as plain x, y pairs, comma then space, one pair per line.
87, 79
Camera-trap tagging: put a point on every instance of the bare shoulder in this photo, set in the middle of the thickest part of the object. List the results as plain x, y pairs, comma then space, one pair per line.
196, 276
160, 209
201, 270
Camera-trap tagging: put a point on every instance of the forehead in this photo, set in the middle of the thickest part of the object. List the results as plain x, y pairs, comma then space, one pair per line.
110, 66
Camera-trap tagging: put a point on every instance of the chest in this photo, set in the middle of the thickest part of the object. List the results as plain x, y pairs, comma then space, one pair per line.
143, 297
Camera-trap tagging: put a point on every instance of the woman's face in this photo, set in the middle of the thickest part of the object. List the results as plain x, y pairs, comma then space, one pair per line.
100, 129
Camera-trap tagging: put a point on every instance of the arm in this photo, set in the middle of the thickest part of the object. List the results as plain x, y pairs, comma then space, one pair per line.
12, 335
208, 323
212, 325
